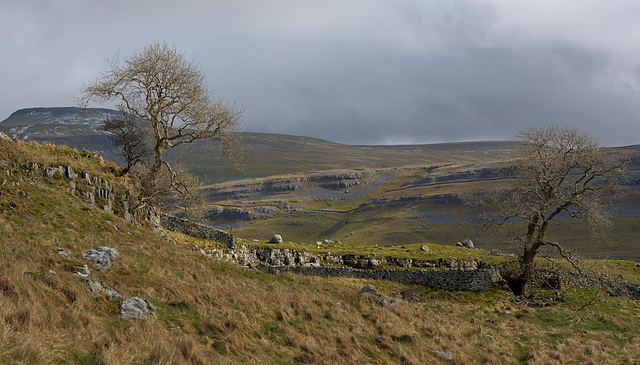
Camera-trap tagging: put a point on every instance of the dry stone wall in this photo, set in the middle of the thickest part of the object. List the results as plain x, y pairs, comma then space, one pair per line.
450, 279
181, 225
277, 261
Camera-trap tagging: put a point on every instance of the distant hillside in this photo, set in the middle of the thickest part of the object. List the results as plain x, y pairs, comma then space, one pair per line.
311, 189
266, 154
55, 121
70, 126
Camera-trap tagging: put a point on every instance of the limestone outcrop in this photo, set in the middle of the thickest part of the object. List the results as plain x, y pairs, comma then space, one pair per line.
101, 257
136, 308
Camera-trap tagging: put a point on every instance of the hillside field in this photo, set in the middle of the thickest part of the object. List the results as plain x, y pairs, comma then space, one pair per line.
210, 311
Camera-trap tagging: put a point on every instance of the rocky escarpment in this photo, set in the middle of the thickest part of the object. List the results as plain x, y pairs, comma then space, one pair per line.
292, 185
444, 176
270, 196
113, 197
259, 188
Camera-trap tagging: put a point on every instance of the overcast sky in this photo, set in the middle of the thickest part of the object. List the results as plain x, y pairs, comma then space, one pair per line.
358, 72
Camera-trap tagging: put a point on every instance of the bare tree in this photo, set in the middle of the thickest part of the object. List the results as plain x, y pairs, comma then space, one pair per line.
128, 136
161, 87
171, 190
561, 171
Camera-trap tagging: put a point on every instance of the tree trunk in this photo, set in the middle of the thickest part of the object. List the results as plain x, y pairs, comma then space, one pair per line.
520, 286
157, 160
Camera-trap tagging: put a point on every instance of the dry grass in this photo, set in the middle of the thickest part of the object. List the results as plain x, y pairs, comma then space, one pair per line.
213, 312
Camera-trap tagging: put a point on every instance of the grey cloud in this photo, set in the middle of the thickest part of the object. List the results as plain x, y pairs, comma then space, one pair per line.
356, 71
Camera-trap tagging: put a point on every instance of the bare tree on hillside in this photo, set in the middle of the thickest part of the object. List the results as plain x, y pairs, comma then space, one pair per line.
130, 138
159, 86
561, 171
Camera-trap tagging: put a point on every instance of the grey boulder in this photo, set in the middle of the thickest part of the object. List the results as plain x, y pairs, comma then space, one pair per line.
369, 289
136, 308
101, 257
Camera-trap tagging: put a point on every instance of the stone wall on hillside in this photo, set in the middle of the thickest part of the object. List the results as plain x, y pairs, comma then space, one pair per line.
181, 225
448, 279
277, 261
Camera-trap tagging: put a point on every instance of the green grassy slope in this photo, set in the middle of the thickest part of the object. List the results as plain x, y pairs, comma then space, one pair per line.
215, 312
276, 154
404, 209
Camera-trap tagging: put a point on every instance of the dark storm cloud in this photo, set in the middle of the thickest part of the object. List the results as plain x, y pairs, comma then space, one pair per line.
355, 71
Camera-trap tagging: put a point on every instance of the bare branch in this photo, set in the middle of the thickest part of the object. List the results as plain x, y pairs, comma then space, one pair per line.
561, 170
159, 86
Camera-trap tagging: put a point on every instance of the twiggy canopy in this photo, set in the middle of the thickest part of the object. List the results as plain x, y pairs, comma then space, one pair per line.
159, 85
561, 171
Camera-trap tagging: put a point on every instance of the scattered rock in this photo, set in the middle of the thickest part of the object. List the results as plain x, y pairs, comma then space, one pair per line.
101, 257
443, 354
70, 174
385, 302
369, 289
276, 239
97, 286
424, 248
410, 294
52, 272
496, 252
61, 251
83, 270
4, 136
466, 243
136, 308
339, 304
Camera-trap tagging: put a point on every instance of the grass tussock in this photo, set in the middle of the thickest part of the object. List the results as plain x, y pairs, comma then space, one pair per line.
215, 312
